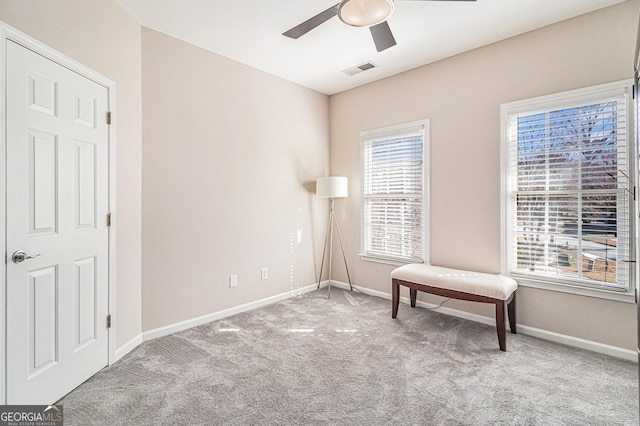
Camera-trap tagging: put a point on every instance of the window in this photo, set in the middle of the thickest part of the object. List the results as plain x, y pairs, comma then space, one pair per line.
568, 190
394, 193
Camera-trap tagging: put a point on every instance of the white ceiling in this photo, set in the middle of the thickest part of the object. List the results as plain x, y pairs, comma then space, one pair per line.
250, 32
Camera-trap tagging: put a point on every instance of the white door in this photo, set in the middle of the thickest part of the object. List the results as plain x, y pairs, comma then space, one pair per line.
57, 201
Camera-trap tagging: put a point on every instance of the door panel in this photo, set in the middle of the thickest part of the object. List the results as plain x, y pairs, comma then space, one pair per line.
43, 165
57, 204
85, 315
85, 184
42, 313
42, 94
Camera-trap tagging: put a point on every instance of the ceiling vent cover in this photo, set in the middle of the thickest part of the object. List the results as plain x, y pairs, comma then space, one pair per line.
359, 68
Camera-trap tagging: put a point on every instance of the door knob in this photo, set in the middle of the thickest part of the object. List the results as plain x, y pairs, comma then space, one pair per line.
21, 256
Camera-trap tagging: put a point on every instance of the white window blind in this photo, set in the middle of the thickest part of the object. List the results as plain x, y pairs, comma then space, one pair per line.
571, 189
393, 193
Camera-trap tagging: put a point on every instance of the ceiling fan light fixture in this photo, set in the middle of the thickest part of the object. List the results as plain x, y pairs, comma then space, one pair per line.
364, 13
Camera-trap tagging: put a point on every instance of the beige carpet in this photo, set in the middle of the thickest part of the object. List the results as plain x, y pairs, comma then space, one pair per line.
344, 361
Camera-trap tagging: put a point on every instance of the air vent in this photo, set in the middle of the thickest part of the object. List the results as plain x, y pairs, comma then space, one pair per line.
359, 68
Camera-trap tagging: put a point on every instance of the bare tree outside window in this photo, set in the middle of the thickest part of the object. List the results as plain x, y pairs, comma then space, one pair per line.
571, 193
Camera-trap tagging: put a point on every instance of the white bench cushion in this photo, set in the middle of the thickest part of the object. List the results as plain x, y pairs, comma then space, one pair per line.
489, 285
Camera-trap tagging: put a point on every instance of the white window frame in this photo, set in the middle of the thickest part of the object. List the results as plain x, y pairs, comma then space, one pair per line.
508, 183
391, 131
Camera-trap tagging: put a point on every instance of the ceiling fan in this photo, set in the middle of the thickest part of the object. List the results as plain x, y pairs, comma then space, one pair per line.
357, 13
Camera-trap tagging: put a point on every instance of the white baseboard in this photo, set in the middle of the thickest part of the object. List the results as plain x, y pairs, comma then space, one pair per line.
564, 339
183, 325
577, 342
127, 347
194, 322
615, 351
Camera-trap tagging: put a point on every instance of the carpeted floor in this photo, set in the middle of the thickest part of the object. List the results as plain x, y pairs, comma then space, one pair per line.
344, 361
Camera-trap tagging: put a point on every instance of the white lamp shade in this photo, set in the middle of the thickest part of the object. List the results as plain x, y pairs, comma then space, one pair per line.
364, 13
332, 187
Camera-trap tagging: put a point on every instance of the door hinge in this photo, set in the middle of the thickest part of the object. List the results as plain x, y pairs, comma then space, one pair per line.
108, 117
108, 219
109, 321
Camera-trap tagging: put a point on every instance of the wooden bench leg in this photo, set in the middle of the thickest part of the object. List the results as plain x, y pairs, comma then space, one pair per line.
502, 338
413, 294
395, 298
511, 311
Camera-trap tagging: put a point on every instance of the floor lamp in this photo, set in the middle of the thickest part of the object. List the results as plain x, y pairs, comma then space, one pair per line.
332, 187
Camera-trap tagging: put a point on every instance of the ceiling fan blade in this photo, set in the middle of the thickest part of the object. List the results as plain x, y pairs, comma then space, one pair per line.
382, 36
309, 24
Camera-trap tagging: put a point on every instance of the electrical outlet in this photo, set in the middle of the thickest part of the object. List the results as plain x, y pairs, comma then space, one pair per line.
233, 281
265, 274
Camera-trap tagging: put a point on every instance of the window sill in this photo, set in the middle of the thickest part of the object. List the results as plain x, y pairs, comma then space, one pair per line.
387, 260
627, 297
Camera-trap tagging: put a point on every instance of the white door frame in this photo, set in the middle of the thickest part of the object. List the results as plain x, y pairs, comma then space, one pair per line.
9, 33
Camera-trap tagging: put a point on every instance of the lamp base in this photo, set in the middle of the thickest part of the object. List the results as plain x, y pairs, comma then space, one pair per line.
328, 241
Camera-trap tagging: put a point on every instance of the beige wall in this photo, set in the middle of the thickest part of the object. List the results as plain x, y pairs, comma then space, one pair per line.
462, 96
100, 35
230, 153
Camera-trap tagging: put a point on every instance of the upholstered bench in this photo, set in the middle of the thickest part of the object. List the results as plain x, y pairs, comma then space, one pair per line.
456, 284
